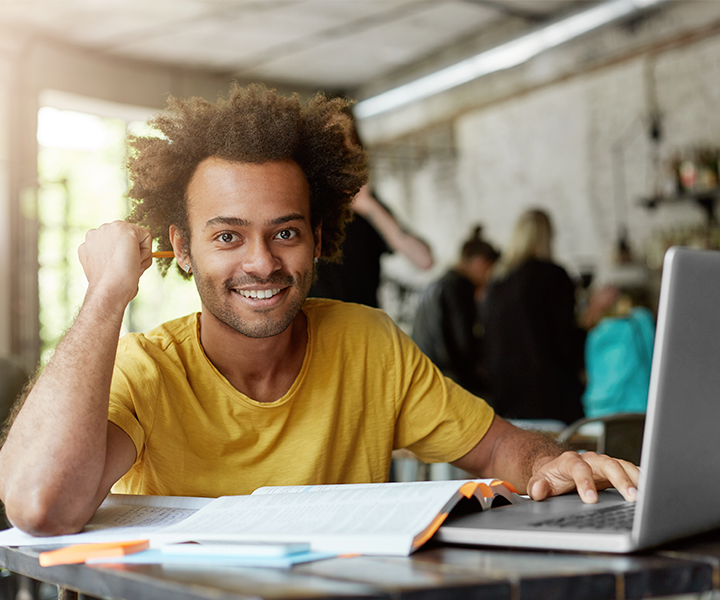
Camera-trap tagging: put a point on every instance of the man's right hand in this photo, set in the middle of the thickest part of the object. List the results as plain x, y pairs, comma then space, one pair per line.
114, 256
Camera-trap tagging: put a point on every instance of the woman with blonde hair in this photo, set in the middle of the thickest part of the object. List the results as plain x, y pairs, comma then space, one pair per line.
533, 342
531, 238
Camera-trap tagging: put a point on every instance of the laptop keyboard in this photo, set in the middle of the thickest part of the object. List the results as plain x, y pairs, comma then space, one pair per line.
618, 517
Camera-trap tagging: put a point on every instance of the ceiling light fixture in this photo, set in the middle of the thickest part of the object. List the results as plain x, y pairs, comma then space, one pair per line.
501, 57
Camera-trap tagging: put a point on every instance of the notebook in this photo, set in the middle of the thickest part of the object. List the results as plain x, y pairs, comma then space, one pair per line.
679, 487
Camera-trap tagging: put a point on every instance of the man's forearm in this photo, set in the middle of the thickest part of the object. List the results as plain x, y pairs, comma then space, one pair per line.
53, 459
540, 467
521, 453
510, 453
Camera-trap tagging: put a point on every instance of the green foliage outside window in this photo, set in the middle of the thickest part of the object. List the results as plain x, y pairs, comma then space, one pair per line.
82, 183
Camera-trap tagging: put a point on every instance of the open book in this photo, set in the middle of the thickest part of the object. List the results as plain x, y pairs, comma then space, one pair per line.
379, 518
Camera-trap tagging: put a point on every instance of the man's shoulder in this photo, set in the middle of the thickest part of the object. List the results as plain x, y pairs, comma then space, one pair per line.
327, 308
176, 332
324, 312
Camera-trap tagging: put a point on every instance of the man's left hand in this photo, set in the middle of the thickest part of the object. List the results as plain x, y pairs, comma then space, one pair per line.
588, 473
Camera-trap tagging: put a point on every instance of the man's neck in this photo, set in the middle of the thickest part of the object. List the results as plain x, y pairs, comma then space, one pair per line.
263, 369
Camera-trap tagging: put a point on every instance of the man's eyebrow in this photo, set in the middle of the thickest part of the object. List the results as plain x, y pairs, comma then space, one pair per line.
238, 222
287, 219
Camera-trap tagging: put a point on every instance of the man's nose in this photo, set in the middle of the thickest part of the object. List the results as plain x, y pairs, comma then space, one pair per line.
259, 259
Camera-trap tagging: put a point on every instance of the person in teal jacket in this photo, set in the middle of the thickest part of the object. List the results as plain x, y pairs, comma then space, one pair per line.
618, 355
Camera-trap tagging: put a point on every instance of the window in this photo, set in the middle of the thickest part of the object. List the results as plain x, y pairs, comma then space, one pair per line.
82, 183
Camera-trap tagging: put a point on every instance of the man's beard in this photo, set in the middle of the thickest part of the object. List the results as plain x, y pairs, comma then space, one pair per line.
223, 311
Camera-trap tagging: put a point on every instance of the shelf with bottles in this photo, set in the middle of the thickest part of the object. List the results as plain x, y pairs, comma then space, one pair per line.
706, 237
691, 175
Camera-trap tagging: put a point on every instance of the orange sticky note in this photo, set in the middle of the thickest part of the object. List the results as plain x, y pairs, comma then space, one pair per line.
79, 553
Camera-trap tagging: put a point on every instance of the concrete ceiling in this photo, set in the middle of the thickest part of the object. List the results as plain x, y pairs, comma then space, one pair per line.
330, 44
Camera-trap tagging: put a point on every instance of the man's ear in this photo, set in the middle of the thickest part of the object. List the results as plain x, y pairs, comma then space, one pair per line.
318, 241
178, 243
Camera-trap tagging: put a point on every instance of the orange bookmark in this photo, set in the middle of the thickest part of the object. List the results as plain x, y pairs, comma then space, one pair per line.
79, 553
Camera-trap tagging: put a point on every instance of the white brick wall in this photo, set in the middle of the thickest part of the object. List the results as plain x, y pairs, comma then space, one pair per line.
555, 147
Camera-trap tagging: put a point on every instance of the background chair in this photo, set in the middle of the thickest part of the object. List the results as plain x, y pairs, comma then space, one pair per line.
619, 435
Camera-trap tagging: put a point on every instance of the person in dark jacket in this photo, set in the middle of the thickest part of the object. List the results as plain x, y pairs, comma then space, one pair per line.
374, 231
447, 325
533, 338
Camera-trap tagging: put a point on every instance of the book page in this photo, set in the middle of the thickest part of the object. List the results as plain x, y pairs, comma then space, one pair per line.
193, 502
135, 518
368, 518
364, 518
445, 487
409, 487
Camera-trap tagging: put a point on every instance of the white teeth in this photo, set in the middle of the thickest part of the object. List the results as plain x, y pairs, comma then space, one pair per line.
259, 294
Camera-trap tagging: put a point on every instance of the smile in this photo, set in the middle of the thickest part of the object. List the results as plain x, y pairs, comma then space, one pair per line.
259, 294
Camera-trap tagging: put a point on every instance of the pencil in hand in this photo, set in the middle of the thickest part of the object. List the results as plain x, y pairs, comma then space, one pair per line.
163, 254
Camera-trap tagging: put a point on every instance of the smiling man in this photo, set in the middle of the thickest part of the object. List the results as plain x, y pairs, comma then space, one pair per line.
263, 386
262, 259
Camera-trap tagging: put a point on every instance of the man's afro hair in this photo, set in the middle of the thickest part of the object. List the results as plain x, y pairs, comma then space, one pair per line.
253, 124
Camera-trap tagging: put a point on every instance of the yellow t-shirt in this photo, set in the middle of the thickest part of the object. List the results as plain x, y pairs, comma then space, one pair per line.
363, 390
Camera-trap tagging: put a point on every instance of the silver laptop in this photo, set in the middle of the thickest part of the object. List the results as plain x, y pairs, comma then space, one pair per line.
679, 488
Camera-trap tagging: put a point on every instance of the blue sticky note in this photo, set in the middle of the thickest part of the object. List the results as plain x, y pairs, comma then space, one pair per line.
156, 556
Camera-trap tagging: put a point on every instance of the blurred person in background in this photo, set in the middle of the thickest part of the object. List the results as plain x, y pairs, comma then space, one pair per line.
618, 354
374, 231
448, 325
534, 341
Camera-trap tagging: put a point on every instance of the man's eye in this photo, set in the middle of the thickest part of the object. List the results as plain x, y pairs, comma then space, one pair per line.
226, 237
286, 234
